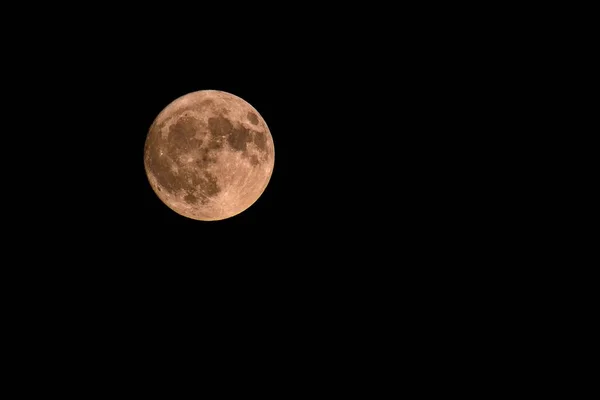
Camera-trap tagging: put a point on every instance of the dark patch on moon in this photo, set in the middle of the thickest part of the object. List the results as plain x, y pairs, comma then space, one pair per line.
260, 140
160, 167
182, 132
219, 126
188, 178
238, 138
190, 199
253, 118
254, 160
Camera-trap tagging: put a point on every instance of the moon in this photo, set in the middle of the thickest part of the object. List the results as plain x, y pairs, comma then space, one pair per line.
209, 155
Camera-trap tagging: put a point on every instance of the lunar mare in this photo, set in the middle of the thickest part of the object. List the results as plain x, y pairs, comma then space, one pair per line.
209, 155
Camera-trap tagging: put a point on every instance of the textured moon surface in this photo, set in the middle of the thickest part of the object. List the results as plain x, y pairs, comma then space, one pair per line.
209, 155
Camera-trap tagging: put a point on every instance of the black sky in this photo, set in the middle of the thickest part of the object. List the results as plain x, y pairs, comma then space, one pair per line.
385, 216
372, 122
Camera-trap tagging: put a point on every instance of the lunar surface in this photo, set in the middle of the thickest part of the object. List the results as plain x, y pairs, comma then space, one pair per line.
209, 155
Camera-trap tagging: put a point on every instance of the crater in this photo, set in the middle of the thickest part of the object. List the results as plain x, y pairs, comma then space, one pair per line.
253, 118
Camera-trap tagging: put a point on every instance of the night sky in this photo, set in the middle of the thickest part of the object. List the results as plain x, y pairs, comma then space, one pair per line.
388, 225
373, 126
362, 136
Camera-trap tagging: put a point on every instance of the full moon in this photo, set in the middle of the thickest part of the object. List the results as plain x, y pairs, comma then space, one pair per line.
209, 155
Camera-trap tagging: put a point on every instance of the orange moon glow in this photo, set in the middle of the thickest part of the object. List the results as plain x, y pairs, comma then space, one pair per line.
209, 155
